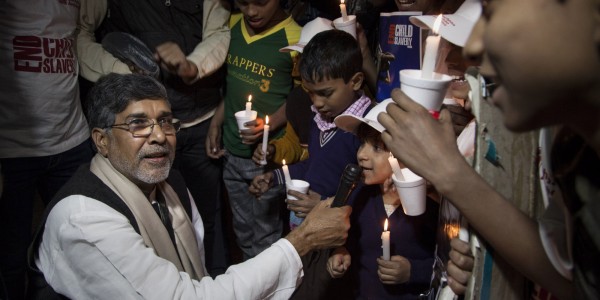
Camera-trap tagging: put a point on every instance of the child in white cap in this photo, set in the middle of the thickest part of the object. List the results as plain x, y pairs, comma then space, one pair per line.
412, 238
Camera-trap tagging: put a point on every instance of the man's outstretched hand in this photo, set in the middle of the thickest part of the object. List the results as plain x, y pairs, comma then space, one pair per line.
323, 228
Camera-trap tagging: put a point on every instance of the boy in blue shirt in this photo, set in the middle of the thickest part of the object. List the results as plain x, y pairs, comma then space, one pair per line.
331, 72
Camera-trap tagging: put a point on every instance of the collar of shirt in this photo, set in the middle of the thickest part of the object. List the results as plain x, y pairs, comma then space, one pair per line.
357, 108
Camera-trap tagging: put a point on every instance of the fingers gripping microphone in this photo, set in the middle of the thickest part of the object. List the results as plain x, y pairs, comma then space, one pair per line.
347, 184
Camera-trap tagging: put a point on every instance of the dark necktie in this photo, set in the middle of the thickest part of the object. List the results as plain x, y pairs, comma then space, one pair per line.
163, 213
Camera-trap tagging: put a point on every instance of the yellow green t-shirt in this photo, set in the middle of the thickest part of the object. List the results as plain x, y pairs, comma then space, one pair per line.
256, 67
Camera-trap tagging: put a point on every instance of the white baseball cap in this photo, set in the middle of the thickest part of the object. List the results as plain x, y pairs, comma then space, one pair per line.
455, 27
309, 30
348, 122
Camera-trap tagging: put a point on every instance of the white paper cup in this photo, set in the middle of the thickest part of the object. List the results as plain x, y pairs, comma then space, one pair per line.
347, 26
412, 192
427, 92
242, 118
299, 186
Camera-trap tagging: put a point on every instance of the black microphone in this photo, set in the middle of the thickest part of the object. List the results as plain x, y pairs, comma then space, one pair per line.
347, 184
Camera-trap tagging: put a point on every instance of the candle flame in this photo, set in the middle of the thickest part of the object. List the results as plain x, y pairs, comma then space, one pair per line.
341, 1
267, 120
451, 230
283, 161
249, 98
385, 225
437, 24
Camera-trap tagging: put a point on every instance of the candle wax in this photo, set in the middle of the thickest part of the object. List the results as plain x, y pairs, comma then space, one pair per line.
343, 11
286, 174
432, 43
431, 50
396, 168
265, 142
385, 242
248, 108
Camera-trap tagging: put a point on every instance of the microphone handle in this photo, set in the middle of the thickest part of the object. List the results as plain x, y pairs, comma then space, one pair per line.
347, 184
341, 197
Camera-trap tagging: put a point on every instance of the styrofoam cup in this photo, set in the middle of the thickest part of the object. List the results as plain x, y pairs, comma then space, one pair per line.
299, 186
427, 92
348, 26
412, 192
242, 118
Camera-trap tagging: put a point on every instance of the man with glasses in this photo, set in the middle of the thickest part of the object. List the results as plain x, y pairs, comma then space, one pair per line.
189, 40
126, 227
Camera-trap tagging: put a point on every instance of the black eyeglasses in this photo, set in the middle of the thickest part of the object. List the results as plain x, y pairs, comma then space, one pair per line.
142, 127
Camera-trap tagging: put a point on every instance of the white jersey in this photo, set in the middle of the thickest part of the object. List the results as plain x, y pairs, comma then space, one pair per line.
40, 110
555, 224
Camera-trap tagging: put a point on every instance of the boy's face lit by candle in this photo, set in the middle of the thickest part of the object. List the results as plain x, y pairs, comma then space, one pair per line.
373, 156
542, 69
331, 97
373, 159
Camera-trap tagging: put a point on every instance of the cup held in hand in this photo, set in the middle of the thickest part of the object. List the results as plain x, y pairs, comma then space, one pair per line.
299, 186
348, 26
427, 92
242, 117
412, 192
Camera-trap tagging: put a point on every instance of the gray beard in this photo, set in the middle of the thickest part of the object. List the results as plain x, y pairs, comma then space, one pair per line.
157, 174
153, 178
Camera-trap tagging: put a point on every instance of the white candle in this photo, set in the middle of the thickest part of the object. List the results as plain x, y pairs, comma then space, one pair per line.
343, 10
432, 44
396, 167
265, 141
463, 232
286, 174
385, 241
249, 106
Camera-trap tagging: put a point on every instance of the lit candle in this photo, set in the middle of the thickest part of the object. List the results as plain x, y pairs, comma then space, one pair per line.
265, 141
385, 241
286, 174
249, 106
343, 10
431, 50
396, 167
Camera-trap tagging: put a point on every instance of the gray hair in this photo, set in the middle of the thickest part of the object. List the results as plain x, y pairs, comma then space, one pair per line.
114, 92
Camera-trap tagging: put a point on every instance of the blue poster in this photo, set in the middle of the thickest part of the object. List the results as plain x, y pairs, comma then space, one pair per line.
399, 48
